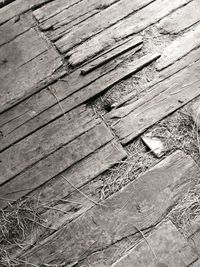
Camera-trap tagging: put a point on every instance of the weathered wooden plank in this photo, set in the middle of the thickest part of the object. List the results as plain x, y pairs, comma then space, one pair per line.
85, 176
141, 204
99, 22
44, 142
111, 54
181, 19
168, 245
28, 116
164, 98
161, 75
17, 8
180, 47
29, 78
55, 163
11, 29
51, 9
82, 172
129, 26
73, 15
22, 49
13, 9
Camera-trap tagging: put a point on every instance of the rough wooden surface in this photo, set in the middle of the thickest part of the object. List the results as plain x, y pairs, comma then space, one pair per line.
13, 28
111, 54
180, 47
164, 98
53, 8
28, 116
21, 50
181, 19
168, 245
44, 142
129, 26
99, 22
141, 204
38, 73
59, 24
55, 163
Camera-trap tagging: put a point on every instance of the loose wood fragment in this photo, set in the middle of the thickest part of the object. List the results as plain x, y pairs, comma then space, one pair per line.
54, 164
141, 204
29, 78
168, 245
181, 19
129, 26
165, 73
28, 116
111, 54
21, 50
99, 22
165, 97
180, 47
44, 142
195, 112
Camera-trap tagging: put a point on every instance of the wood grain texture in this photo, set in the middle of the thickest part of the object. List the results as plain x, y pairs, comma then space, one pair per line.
51, 9
154, 192
181, 19
28, 116
44, 142
99, 22
111, 54
129, 26
29, 78
169, 246
55, 163
164, 98
11, 29
180, 64
21, 50
59, 24
17, 8
180, 47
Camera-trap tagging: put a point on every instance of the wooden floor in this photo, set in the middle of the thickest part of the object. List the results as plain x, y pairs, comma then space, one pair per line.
56, 56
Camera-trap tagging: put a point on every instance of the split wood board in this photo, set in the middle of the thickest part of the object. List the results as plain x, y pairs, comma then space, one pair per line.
21, 50
154, 193
45, 141
167, 243
164, 98
181, 19
180, 47
51, 9
99, 22
54, 164
131, 25
28, 116
62, 22
29, 78
111, 54
180, 64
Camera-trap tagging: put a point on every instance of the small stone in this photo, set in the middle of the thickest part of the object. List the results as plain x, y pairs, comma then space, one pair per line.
154, 144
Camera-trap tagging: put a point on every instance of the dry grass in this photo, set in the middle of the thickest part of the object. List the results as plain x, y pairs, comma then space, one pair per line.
17, 222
